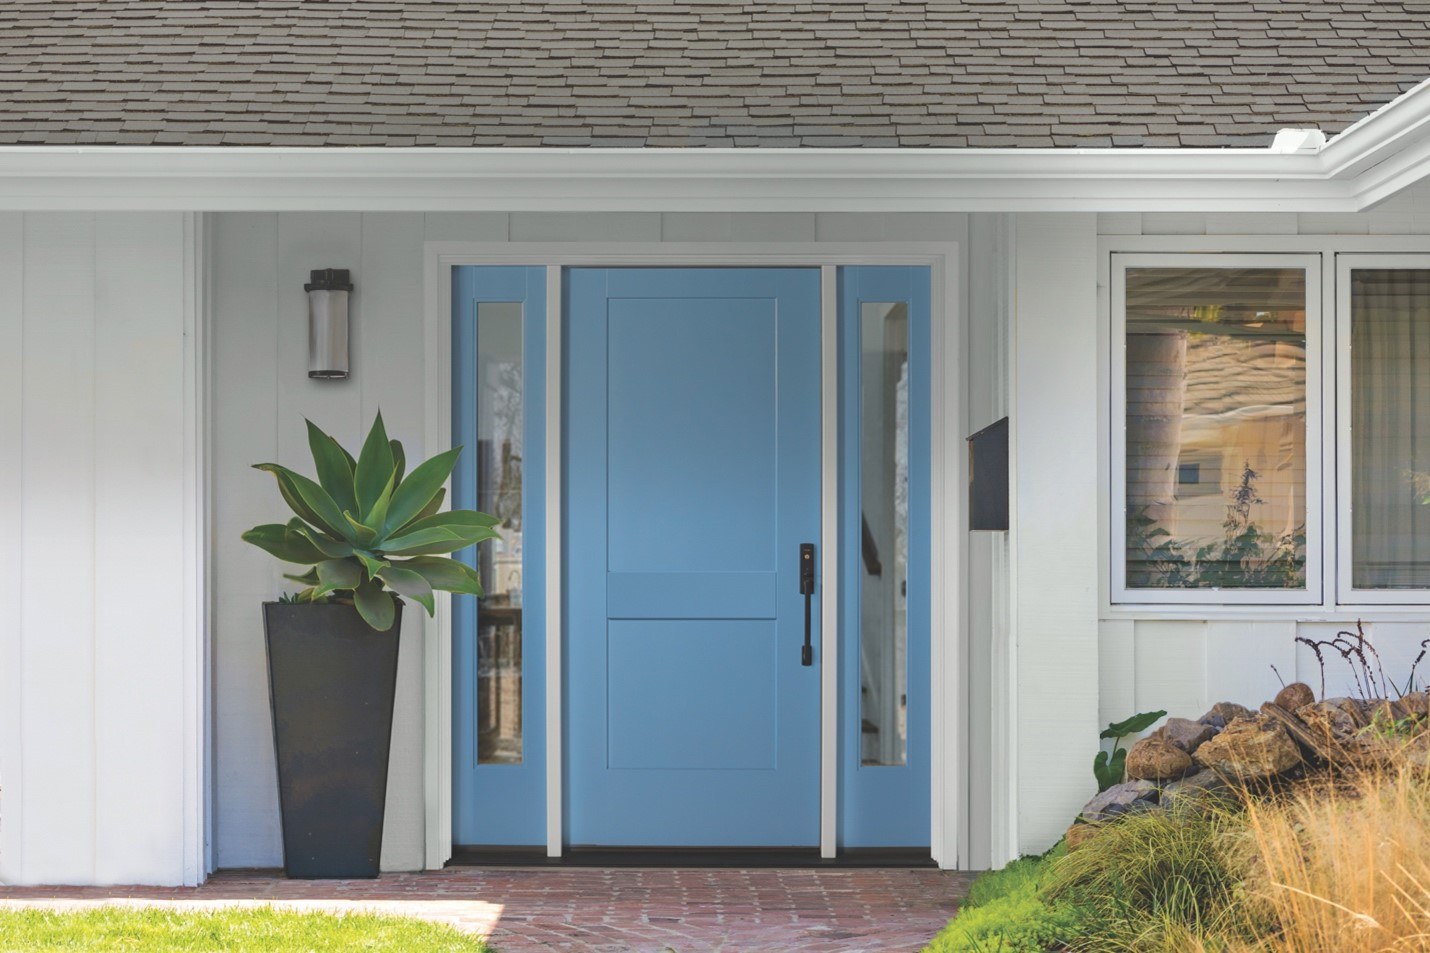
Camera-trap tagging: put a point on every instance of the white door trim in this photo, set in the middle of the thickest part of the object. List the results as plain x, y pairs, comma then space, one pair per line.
948, 741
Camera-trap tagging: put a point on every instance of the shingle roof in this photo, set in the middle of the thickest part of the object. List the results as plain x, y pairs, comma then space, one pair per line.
698, 72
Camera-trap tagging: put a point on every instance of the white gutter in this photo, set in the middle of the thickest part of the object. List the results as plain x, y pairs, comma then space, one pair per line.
1379, 155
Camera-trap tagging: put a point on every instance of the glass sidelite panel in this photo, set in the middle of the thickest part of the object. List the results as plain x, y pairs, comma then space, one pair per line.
884, 496
1390, 428
1216, 428
499, 455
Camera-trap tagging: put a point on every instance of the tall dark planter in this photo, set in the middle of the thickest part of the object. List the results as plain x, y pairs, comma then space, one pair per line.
331, 681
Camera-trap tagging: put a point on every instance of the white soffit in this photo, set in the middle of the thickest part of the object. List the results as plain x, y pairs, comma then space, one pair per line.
1370, 161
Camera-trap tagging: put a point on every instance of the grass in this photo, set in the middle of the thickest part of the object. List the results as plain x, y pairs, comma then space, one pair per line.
1346, 867
249, 930
1006, 913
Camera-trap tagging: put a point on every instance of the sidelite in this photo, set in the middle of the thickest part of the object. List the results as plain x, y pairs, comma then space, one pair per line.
1215, 428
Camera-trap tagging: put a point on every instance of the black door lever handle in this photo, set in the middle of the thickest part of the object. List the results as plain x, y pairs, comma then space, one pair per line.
806, 589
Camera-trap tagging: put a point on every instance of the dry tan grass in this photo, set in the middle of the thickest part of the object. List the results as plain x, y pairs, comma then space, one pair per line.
1344, 868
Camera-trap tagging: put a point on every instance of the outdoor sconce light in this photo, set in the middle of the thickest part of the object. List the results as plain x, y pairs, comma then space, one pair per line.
328, 323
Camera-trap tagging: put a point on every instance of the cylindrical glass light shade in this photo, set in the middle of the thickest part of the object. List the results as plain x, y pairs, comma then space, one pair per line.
328, 323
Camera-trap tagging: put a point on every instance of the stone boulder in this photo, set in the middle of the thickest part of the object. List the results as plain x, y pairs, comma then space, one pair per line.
1079, 834
1185, 734
1120, 799
1193, 788
1156, 759
1331, 725
1416, 703
1250, 748
1224, 713
1294, 696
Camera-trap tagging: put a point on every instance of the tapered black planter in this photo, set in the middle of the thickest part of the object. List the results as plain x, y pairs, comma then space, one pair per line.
331, 681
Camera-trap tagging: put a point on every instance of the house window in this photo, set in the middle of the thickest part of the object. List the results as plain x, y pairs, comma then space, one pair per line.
1216, 367
1388, 411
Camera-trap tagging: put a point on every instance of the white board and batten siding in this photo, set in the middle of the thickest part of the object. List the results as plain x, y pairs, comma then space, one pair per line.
1183, 664
100, 715
261, 393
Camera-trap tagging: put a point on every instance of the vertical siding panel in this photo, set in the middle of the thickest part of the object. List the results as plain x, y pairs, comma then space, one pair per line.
57, 616
1054, 528
244, 350
139, 493
1116, 670
1240, 656
391, 377
12, 637
1170, 662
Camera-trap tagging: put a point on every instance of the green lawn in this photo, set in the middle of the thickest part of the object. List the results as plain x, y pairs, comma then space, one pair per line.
251, 930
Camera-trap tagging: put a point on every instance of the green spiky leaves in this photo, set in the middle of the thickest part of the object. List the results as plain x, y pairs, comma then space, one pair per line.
369, 530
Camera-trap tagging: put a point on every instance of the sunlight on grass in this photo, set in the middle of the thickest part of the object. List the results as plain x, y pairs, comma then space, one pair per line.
249, 930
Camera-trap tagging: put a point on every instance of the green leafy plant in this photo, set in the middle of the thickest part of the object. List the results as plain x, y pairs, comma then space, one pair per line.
369, 531
1110, 767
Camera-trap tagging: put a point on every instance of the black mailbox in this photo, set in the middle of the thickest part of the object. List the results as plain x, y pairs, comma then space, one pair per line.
988, 477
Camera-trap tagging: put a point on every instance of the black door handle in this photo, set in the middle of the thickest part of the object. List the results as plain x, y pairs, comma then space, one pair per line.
806, 589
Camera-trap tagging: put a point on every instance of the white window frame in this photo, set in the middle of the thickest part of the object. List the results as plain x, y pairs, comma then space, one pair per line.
1117, 431
1346, 592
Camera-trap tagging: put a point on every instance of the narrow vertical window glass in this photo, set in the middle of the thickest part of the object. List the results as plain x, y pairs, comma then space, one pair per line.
884, 496
1216, 428
1390, 429
499, 455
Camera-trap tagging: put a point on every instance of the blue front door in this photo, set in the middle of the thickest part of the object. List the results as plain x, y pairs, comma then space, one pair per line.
692, 467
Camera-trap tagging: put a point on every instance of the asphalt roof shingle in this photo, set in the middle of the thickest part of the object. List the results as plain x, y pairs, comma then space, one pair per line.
1026, 73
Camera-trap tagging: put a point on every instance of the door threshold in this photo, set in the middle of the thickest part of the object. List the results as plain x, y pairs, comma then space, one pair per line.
728, 857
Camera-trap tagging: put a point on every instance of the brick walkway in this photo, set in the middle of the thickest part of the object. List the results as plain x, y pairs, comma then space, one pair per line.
530, 910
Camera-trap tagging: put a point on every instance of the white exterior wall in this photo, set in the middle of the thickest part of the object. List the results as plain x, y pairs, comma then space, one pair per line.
1182, 663
100, 654
261, 394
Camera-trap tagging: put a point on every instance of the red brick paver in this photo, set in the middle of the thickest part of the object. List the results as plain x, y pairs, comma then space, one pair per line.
524, 910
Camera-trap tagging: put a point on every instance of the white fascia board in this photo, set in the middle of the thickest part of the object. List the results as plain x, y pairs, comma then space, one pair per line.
1386, 151
1371, 160
928, 180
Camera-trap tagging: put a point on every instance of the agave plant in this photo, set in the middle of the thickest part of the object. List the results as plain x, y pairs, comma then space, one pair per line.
368, 531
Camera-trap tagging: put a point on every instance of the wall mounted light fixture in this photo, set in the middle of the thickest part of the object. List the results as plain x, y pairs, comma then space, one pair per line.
328, 290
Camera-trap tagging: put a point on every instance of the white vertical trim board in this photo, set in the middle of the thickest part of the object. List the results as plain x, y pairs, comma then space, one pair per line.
1055, 524
555, 521
437, 647
829, 563
12, 511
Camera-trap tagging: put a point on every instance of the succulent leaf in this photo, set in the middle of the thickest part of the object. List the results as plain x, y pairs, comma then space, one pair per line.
339, 573
449, 575
372, 563
284, 542
429, 510
407, 583
375, 605
375, 518
437, 539
335, 474
330, 548
418, 489
375, 467
314, 504
399, 460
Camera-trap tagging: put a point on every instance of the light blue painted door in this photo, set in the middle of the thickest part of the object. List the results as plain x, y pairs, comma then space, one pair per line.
692, 466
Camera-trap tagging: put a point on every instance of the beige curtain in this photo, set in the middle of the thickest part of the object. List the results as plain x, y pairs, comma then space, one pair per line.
1390, 428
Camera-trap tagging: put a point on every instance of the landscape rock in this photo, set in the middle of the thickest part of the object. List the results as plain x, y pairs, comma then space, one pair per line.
1079, 834
1224, 713
1195, 787
1185, 733
1249, 748
1156, 759
1417, 703
1294, 696
1120, 799
1352, 707
1330, 723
